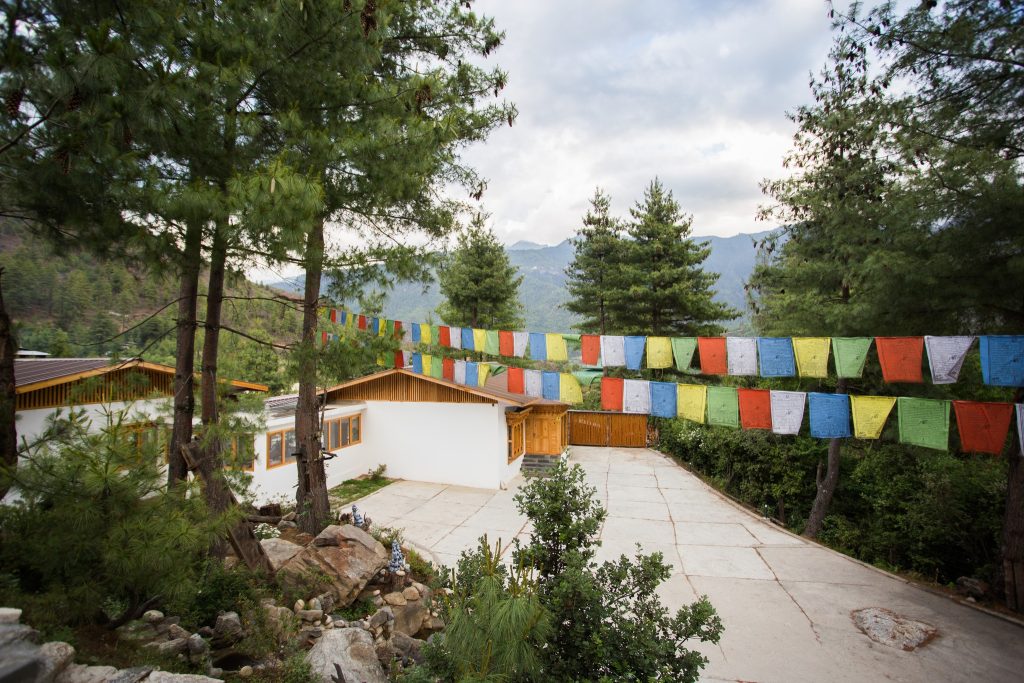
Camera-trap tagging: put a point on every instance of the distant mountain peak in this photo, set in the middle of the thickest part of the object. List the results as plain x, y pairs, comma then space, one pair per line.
525, 245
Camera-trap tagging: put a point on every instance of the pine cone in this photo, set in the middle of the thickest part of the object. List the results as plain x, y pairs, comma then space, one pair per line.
368, 17
76, 100
13, 102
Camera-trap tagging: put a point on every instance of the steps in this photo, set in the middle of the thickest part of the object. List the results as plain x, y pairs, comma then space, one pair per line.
538, 465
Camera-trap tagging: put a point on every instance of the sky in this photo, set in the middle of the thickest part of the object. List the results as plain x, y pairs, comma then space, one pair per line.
612, 93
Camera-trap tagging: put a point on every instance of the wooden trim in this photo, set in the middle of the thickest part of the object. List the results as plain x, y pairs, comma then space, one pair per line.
404, 385
284, 447
355, 424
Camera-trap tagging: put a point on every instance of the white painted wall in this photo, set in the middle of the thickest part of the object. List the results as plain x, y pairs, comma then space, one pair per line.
31, 424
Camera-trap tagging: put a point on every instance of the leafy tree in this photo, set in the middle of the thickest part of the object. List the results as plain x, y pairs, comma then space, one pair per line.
598, 248
660, 288
480, 285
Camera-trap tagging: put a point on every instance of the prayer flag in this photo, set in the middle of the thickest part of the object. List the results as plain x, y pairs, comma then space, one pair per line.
417, 363
519, 343
870, 414
506, 344
636, 396
663, 399
460, 372
416, 333
682, 351
755, 408
723, 406
692, 401
399, 359
492, 343
426, 334
946, 357
556, 349
591, 347
776, 356
389, 330
538, 346
362, 321
323, 338
375, 326
551, 384
467, 339
448, 369
611, 393
482, 372
659, 355
923, 422
350, 320
811, 356
444, 335
900, 358
399, 331
479, 339
850, 352
613, 351
428, 364
787, 411
515, 380
741, 355
332, 314
436, 367
533, 383
1002, 360
455, 337
1020, 427
982, 426
569, 390
635, 351
472, 374
712, 355
830, 414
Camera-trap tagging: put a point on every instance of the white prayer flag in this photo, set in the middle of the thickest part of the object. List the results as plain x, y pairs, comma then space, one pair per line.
613, 351
533, 383
636, 396
456, 338
460, 372
741, 354
406, 358
946, 357
787, 411
520, 340
406, 332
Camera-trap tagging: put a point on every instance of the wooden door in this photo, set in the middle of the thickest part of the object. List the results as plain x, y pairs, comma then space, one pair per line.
594, 428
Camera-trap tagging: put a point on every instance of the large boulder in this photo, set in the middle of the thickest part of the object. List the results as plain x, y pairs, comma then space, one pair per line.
350, 650
409, 617
279, 551
348, 557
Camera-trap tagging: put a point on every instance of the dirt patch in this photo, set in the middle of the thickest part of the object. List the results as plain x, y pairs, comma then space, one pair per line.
888, 628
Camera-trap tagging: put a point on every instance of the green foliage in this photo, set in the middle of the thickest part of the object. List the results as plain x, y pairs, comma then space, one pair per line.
294, 669
219, 589
598, 249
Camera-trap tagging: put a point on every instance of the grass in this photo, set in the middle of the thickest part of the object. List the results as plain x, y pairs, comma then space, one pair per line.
354, 489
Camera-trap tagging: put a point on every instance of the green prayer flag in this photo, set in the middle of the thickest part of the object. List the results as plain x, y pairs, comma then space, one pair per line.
491, 343
850, 354
723, 407
924, 422
391, 329
437, 367
682, 351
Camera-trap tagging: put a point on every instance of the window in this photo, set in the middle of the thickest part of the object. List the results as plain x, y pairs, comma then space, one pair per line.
241, 453
280, 447
145, 435
342, 432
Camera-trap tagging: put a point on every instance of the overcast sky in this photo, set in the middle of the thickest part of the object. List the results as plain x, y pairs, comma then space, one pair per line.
614, 92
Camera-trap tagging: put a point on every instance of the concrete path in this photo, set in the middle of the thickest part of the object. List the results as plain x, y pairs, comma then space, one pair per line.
785, 602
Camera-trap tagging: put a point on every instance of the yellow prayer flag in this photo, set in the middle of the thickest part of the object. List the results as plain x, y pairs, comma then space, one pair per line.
812, 355
482, 371
555, 344
479, 339
569, 390
350, 320
382, 328
659, 352
691, 401
426, 363
870, 414
425, 338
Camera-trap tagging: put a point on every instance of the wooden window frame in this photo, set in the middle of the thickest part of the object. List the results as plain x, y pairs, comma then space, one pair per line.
139, 429
234, 453
354, 429
285, 460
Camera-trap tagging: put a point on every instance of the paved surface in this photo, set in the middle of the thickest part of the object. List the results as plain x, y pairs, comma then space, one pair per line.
785, 602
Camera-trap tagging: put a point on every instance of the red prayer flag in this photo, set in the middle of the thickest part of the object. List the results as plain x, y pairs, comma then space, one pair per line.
398, 329
712, 356
611, 393
515, 380
755, 408
444, 336
448, 369
362, 322
506, 345
983, 426
591, 349
900, 358
323, 338
334, 315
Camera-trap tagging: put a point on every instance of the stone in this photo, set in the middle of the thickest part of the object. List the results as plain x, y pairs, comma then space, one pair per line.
326, 603
409, 617
395, 599
205, 632
165, 677
431, 624
215, 672
411, 593
197, 647
153, 616
290, 517
300, 605
315, 604
175, 631
349, 651
269, 510
132, 675
380, 618
888, 628
82, 673
285, 524
56, 657
171, 647
228, 627
10, 615
975, 588
347, 555
279, 551
17, 633
408, 647
245, 671
310, 614
377, 601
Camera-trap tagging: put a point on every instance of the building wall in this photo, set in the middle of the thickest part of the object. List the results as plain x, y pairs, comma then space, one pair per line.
31, 424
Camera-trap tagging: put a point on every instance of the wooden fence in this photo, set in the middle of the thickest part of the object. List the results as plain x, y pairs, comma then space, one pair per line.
594, 428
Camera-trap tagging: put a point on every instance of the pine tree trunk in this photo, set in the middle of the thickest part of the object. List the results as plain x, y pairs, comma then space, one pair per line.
1013, 526
826, 485
185, 348
311, 494
8, 398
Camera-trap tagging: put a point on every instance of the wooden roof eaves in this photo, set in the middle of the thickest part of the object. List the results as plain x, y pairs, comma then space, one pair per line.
124, 365
525, 401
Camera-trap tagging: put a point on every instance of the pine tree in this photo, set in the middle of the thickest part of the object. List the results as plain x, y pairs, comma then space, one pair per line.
598, 248
480, 285
661, 289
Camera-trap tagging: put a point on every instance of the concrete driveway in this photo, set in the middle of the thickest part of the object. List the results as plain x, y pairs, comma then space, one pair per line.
785, 602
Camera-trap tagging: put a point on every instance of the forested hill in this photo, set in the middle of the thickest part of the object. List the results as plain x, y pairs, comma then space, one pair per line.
543, 290
73, 304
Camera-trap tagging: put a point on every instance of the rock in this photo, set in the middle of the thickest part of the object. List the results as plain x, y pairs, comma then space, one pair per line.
132, 675
170, 648
347, 555
165, 677
215, 672
56, 657
394, 599
174, 631
269, 510
284, 524
411, 593
10, 615
315, 604
82, 673
380, 618
352, 651
17, 633
326, 603
970, 600
153, 616
228, 627
290, 517
245, 671
431, 624
975, 588
197, 647
888, 628
407, 647
300, 605
409, 617
377, 601
205, 632
310, 614
279, 551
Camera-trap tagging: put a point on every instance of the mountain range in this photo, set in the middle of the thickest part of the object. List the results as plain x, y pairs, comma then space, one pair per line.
543, 290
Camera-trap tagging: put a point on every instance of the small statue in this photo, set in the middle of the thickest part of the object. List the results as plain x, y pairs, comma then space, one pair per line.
357, 517
397, 562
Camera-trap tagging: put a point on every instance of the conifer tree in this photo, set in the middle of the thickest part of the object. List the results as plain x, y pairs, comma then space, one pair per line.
479, 283
598, 249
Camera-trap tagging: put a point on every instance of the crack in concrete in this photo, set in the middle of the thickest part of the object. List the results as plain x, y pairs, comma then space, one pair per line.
810, 621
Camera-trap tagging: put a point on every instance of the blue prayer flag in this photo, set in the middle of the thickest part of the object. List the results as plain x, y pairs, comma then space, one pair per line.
415, 333
375, 325
467, 339
344, 318
551, 383
663, 399
776, 356
417, 361
539, 350
635, 352
472, 374
830, 415
1002, 360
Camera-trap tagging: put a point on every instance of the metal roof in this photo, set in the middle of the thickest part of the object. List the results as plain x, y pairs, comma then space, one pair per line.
32, 370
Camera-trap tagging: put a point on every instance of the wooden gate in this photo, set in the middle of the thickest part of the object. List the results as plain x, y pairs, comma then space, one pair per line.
594, 428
